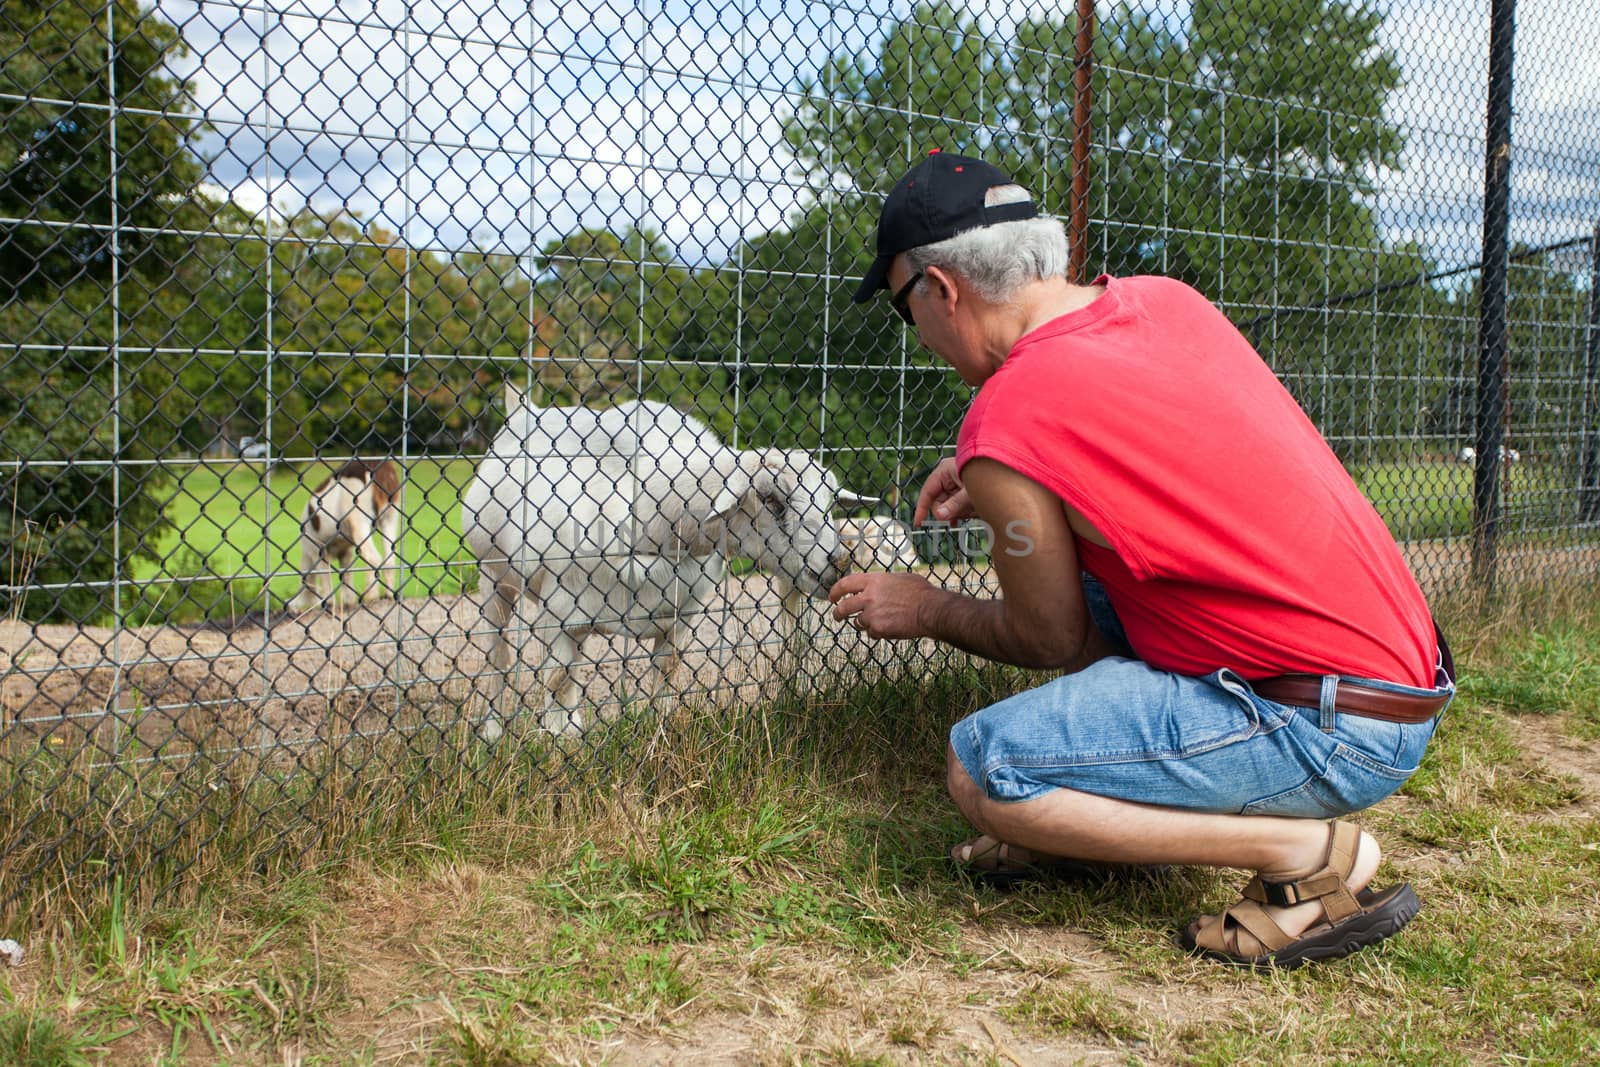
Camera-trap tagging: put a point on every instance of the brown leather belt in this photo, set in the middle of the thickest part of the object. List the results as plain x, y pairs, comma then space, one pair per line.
1305, 691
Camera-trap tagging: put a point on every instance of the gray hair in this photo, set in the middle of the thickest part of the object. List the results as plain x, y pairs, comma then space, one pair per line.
998, 260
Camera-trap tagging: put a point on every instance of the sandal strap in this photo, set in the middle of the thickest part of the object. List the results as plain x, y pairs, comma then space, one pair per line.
1249, 916
995, 856
1326, 885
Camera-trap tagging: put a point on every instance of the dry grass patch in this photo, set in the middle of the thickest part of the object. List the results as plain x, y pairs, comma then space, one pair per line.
775, 901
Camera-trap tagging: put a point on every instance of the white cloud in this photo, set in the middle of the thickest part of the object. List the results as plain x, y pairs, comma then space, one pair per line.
1444, 52
514, 122
501, 122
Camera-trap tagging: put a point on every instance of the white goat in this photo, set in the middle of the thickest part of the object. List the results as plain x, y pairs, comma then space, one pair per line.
621, 522
879, 543
342, 518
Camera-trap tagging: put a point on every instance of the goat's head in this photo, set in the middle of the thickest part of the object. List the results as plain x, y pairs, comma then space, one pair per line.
777, 509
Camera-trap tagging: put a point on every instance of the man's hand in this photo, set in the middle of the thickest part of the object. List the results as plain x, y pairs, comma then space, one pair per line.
880, 604
943, 495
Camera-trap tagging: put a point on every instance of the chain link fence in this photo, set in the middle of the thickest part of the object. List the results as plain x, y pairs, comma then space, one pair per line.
303, 305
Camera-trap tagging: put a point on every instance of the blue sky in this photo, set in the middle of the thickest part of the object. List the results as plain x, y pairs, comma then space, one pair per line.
502, 124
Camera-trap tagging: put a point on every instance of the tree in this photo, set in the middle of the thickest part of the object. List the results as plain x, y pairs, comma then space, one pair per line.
93, 200
56, 159
1235, 151
608, 311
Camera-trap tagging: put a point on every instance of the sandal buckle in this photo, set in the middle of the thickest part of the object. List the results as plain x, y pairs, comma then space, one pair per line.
1281, 894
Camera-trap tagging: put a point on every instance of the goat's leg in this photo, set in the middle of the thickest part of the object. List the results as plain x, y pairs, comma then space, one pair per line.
795, 633
666, 658
562, 624
561, 713
375, 576
389, 526
324, 582
313, 570
347, 576
502, 588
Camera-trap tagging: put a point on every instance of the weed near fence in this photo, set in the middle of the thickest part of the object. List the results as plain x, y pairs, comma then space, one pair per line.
778, 887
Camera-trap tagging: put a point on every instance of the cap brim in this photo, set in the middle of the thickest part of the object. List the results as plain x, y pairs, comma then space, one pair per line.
877, 278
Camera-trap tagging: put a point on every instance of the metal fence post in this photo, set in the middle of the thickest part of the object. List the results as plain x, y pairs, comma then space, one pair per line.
1493, 398
1082, 139
1589, 486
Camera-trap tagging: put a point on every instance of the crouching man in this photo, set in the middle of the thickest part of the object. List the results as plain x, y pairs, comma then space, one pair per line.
1249, 657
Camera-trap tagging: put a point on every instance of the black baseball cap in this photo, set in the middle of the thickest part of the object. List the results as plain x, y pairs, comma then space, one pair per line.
937, 199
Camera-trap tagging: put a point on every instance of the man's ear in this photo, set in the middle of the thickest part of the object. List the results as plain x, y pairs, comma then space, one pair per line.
943, 283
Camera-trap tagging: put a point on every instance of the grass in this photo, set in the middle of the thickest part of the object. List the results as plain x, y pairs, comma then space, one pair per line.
774, 889
234, 534
1422, 500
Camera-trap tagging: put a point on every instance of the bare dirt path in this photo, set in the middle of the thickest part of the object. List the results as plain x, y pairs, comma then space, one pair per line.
379, 666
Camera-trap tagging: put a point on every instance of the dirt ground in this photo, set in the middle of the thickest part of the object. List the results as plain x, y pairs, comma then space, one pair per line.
384, 666
177, 689
380, 666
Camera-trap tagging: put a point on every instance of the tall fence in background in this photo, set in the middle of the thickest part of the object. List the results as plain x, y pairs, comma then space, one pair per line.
247, 244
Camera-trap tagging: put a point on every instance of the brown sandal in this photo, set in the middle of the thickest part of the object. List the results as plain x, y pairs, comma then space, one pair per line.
1352, 921
1004, 866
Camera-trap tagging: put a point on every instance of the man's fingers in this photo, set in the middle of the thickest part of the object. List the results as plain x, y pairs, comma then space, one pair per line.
942, 495
936, 501
946, 507
956, 506
941, 482
850, 583
846, 606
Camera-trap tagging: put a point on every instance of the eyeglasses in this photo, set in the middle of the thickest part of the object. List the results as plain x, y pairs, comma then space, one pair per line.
898, 300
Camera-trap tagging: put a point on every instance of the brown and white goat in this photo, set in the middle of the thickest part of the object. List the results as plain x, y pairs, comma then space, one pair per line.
342, 519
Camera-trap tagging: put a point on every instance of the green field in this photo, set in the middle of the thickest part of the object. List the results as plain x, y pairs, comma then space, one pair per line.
1422, 500
229, 529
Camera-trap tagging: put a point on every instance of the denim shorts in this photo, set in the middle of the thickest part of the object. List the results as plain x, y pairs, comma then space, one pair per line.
1120, 728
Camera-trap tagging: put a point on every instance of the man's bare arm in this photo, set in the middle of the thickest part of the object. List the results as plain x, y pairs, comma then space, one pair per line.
1041, 619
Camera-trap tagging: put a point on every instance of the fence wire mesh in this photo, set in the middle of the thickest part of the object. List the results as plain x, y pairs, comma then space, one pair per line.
332, 331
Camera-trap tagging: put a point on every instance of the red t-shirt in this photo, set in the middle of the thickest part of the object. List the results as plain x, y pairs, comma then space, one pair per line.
1239, 539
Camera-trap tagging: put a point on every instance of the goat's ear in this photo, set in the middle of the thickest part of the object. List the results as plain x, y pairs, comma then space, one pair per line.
847, 499
774, 481
774, 494
727, 501
756, 471
736, 484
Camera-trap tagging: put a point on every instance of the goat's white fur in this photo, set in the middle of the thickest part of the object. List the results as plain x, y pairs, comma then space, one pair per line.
621, 521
